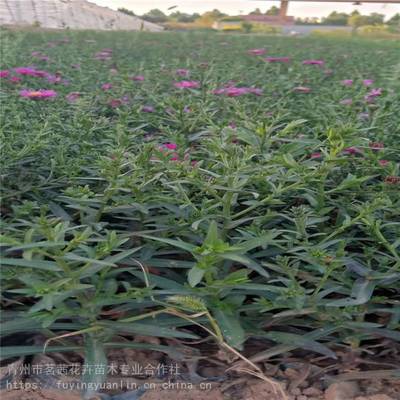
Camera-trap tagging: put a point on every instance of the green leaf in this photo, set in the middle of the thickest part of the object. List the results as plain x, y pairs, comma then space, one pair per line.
245, 261
38, 264
175, 243
230, 327
300, 342
146, 330
195, 275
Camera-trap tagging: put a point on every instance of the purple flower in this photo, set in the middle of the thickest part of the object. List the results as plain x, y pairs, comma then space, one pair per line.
106, 86
256, 52
187, 85
368, 82
182, 72
320, 63
347, 82
277, 59
137, 78
147, 109
233, 91
370, 96
72, 97
38, 94
4, 73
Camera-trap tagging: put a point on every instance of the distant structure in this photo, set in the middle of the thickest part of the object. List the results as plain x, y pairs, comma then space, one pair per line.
72, 14
285, 3
233, 21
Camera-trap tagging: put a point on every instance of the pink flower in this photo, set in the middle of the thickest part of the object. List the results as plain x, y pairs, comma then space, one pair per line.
320, 63
392, 180
147, 109
347, 82
103, 55
106, 86
182, 72
115, 103
4, 73
316, 155
277, 59
369, 97
187, 85
256, 52
137, 78
72, 97
368, 82
233, 91
352, 150
232, 125
15, 79
302, 89
38, 94
346, 102
169, 146
383, 163
28, 71
376, 145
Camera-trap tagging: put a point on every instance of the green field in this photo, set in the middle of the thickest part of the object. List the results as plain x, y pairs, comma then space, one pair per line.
260, 203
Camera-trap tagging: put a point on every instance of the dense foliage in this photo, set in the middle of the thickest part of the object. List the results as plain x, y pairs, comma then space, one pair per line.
151, 181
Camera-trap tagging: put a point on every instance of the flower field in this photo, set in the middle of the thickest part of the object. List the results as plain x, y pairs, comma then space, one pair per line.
185, 186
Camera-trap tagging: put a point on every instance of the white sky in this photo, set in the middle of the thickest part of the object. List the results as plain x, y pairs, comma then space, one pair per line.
232, 7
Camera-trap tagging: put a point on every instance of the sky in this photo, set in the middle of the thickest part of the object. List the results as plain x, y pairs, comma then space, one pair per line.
234, 7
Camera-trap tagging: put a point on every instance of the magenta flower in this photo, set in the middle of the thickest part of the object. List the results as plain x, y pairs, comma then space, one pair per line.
370, 96
233, 91
72, 97
277, 59
137, 78
256, 52
169, 146
4, 73
368, 82
302, 89
346, 102
320, 63
182, 72
38, 94
106, 86
147, 109
383, 163
347, 82
187, 85
28, 71
15, 79
352, 150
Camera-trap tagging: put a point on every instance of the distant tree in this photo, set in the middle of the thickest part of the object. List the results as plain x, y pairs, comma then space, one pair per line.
375, 19
183, 17
209, 17
247, 26
357, 20
155, 15
126, 11
257, 11
395, 20
273, 11
335, 18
